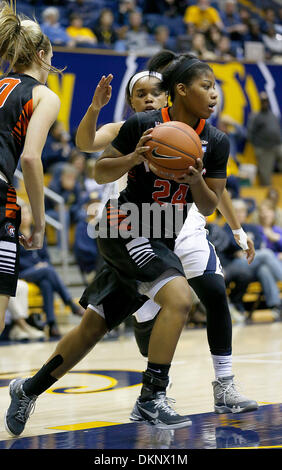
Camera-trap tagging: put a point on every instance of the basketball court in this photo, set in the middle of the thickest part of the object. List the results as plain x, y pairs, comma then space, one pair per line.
89, 408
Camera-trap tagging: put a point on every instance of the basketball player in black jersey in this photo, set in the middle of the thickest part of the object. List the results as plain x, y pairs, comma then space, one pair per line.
27, 110
142, 266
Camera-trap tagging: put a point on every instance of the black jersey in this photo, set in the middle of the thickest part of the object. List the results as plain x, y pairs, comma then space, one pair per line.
143, 186
16, 107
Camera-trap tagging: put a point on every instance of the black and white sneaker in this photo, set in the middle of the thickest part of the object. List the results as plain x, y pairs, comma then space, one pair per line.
158, 412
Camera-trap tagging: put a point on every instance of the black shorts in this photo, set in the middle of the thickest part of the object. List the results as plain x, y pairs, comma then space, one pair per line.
10, 220
129, 263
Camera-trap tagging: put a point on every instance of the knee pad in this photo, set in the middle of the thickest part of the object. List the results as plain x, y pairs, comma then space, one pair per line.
142, 333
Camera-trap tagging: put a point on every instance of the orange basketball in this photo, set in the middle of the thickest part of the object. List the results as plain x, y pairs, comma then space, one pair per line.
174, 147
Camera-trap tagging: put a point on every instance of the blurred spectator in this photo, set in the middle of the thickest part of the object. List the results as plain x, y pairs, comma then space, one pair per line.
265, 268
254, 34
162, 40
82, 36
232, 21
78, 160
83, 8
126, 7
264, 133
52, 28
273, 45
203, 15
199, 47
245, 17
136, 37
269, 19
271, 231
169, 8
236, 135
57, 148
65, 184
89, 181
85, 246
213, 37
183, 41
35, 267
104, 30
273, 197
18, 308
224, 50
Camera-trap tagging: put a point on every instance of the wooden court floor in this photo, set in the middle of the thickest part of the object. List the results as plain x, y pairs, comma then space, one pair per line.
89, 408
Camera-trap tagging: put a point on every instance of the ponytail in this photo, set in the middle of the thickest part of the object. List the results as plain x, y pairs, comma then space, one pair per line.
20, 40
176, 68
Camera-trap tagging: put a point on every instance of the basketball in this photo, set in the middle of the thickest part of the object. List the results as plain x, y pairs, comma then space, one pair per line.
174, 147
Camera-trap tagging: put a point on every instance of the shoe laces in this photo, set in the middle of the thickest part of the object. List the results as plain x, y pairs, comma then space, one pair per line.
26, 408
228, 389
163, 403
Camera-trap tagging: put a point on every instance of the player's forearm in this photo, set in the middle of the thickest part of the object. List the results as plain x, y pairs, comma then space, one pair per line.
110, 169
205, 199
86, 131
33, 179
226, 209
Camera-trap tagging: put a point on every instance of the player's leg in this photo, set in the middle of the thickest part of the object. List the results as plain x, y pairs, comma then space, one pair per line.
152, 405
69, 351
4, 300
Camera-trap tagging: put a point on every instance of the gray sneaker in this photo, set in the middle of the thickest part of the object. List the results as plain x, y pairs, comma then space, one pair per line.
227, 399
20, 408
159, 413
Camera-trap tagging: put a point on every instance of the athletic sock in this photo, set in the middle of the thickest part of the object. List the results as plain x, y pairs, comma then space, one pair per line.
43, 379
155, 379
222, 365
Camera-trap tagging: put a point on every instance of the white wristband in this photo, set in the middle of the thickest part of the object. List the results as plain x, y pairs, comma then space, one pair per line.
242, 238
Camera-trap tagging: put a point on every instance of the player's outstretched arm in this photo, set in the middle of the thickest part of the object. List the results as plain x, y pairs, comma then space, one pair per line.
88, 138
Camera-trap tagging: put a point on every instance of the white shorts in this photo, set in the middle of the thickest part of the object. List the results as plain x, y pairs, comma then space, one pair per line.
197, 255
147, 288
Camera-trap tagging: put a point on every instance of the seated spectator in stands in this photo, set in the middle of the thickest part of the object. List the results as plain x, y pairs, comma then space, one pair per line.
271, 231
254, 34
224, 50
78, 160
82, 36
169, 8
65, 184
18, 308
184, 41
273, 45
236, 135
162, 40
213, 36
58, 147
245, 17
273, 197
199, 48
233, 25
52, 28
137, 37
85, 247
269, 19
35, 267
105, 30
203, 15
83, 8
264, 133
125, 8
265, 268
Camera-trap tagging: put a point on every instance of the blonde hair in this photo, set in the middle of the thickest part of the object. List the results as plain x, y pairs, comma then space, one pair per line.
20, 40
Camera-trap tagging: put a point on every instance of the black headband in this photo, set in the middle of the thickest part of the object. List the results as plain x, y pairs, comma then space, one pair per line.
184, 66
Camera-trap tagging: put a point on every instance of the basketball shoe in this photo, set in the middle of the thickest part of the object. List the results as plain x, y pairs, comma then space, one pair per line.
227, 399
158, 412
20, 408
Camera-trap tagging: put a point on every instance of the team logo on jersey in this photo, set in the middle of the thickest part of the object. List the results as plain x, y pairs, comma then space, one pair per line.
168, 157
10, 229
204, 145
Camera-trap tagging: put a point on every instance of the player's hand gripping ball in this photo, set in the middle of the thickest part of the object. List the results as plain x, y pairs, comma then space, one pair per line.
174, 147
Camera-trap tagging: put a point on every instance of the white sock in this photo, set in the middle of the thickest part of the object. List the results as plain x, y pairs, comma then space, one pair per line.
222, 366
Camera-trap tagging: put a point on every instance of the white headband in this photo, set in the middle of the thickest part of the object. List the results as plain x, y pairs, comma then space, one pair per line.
145, 73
